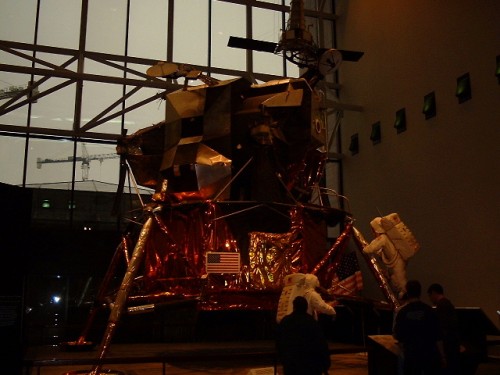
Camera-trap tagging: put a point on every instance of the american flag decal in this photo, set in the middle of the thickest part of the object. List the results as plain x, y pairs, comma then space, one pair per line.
222, 262
348, 279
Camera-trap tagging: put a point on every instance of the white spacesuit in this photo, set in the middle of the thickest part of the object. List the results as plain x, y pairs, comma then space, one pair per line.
395, 244
316, 304
299, 284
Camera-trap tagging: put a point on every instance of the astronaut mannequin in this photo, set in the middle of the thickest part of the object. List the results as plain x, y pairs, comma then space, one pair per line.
316, 304
395, 244
300, 284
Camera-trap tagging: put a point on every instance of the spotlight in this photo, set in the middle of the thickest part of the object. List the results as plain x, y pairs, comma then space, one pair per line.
463, 92
354, 146
376, 135
429, 105
400, 123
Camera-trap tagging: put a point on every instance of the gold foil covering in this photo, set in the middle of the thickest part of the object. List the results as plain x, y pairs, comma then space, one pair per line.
271, 258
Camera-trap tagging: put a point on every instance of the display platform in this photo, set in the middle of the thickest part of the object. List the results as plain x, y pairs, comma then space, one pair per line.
172, 353
383, 354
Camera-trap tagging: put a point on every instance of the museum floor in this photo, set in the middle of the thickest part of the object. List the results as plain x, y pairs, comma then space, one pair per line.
342, 364
245, 358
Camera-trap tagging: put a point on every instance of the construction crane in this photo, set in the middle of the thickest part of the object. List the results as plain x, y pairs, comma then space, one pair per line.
12, 91
85, 159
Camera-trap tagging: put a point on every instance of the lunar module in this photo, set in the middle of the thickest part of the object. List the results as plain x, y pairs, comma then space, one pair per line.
237, 169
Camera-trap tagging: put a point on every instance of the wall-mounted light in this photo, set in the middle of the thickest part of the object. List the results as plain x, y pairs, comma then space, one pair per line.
46, 203
429, 109
354, 145
497, 70
463, 92
376, 134
400, 123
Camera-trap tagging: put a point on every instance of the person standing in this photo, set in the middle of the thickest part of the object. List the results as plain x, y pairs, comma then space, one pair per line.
301, 345
416, 328
448, 322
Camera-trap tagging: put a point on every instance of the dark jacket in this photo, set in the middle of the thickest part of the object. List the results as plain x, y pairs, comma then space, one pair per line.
301, 345
417, 330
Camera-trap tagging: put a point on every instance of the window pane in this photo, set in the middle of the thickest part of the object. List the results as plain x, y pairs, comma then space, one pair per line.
10, 85
17, 20
12, 150
328, 34
190, 32
59, 24
267, 27
97, 162
292, 70
146, 115
17, 23
97, 97
148, 29
106, 26
56, 110
224, 77
9, 58
49, 161
222, 28
98, 68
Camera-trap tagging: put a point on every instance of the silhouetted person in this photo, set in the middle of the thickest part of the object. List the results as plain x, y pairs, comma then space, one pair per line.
301, 345
448, 322
416, 328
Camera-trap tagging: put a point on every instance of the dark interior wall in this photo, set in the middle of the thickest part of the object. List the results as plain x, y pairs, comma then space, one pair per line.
14, 228
39, 262
441, 174
69, 264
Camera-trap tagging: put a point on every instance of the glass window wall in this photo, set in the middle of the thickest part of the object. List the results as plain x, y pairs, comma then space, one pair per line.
147, 35
59, 23
12, 156
17, 20
55, 111
123, 32
106, 26
190, 32
227, 20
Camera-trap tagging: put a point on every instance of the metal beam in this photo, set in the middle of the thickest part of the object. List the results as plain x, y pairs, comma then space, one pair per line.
281, 8
16, 130
113, 61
